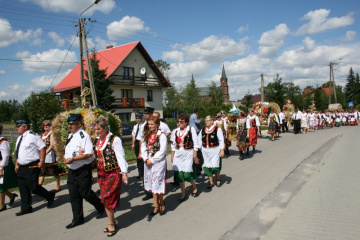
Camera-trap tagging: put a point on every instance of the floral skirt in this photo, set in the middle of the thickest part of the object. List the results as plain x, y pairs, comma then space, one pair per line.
272, 127
252, 136
50, 171
242, 141
211, 171
110, 185
186, 176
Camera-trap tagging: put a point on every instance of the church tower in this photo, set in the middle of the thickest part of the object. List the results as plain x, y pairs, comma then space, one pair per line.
224, 86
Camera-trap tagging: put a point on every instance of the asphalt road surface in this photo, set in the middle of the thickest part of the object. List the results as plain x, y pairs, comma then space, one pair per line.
253, 195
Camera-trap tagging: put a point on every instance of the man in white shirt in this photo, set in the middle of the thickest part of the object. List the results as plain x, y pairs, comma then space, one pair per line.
30, 152
283, 122
80, 173
136, 146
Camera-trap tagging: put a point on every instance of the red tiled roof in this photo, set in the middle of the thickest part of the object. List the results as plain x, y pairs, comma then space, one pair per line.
110, 58
255, 98
324, 89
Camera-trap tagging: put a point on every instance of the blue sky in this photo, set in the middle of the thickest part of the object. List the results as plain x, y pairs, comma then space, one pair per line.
297, 39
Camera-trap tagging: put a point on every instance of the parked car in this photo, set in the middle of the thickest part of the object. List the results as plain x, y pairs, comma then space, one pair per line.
127, 129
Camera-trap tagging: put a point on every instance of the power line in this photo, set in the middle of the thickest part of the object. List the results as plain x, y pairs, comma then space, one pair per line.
30, 60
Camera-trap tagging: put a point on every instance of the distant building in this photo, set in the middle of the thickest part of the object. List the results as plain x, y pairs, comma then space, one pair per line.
136, 80
224, 86
324, 89
255, 98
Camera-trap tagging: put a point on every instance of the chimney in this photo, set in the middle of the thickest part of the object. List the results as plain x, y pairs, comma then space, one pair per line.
110, 46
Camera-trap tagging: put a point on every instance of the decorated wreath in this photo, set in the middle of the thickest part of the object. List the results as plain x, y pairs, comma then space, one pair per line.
61, 132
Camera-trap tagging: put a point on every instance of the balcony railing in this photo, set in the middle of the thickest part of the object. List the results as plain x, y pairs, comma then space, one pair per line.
136, 81
128, 102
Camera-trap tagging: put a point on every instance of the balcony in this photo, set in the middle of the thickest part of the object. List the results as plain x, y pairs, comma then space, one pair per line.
128, 103
137, 81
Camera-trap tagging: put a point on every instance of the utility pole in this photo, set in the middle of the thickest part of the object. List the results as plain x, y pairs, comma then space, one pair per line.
330, 83
262, 87
81, 57
91, 79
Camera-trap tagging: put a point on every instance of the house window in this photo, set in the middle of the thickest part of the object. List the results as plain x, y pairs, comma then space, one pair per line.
128, 73
124, 117
149, 95
126, 93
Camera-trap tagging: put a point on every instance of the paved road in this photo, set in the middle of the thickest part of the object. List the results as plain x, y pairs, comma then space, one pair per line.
260, 197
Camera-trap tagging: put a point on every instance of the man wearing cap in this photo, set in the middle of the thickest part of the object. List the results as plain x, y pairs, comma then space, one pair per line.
30, 157
135, 144
80, 175
148, 112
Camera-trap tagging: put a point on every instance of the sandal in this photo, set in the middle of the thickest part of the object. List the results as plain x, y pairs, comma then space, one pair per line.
195, 194
180, 200
162, 212
218, 183
152, 213
210, 186
111, 233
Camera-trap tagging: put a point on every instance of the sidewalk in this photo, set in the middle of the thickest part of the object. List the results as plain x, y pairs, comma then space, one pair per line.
328, 206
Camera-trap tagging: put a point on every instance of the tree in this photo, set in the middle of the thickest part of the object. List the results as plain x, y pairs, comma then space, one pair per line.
8, 110
248, 98
215, 94
190, 96
39, 107
275, 91
293, 92
172, 100
163, 66
351, 88
101, 83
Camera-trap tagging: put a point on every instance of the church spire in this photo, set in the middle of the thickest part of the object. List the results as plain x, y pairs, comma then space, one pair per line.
224, 86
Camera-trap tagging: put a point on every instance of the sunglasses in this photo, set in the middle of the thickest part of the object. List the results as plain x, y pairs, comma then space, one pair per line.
179, 121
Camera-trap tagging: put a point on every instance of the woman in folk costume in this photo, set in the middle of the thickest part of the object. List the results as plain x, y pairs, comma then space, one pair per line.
111, 169
48, 139
253, 129
316, 120
224, 124
338, 119
153, 151
304, 121
352, 118
211, 141
184, 147
273, 122
312, 124
241, 137
8, 178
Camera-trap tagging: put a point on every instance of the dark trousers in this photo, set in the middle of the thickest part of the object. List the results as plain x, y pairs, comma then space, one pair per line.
28, 182
284, 126
139, 162
79, 183
201, 162
297, 126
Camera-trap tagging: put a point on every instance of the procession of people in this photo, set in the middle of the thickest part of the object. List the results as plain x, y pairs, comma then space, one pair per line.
193, 149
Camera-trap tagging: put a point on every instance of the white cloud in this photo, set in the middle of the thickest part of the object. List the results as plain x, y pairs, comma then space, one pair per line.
8, 36
126, 27
78, 6
176, 56
57, 39
350, 36
2, 72
309, 44
23, 55
15, 91
243, 28
51, 60
183, 71
211, 49
318, 21
271, 41
44, 82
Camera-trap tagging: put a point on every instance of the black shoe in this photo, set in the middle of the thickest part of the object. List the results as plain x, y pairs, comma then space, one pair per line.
175, 183
180, 200
152, 213
247, 152
3, 208
13, 199
24, 212
210, 186
147, 197
74, 224
100, 212
138, 177
241, 156
51, 200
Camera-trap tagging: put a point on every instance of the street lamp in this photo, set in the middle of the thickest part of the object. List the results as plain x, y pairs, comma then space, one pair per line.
81, 35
